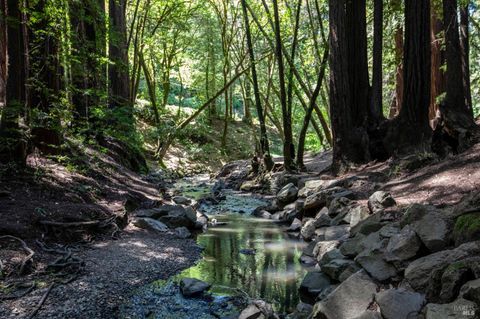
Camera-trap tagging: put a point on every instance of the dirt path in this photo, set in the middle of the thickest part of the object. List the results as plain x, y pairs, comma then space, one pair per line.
113, 269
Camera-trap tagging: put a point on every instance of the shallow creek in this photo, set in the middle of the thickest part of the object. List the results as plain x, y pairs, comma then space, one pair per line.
244, 256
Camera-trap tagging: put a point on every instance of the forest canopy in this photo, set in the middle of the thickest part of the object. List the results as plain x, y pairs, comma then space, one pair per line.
369, 78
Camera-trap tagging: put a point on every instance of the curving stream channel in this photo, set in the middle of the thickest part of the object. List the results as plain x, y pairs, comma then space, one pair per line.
244, 256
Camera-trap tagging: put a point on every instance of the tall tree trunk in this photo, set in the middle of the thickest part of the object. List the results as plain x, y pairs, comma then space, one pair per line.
457, 117
410, 131
339, 85
47, 75
247, 100
438, 61
397, 101
376, 110
264, 144
465, 50
13, 146
119, 84
3, 52
288, 147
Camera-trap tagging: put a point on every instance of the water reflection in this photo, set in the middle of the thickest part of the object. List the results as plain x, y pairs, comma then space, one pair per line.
273, 273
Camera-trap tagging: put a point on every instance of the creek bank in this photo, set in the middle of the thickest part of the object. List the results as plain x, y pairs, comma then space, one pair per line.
373, 258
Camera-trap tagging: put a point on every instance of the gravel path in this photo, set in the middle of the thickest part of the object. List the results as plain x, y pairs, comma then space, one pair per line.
113, 270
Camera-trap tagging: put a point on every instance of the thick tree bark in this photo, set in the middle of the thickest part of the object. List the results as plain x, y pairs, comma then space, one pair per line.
465, 51
397, 101
119, 84
376, 110
264, 144
457, 119
438, 61
410, 131
3, 52
339, 86
288, 147
356, 35
13, 145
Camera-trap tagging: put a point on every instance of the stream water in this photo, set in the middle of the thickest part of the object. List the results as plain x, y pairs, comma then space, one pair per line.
246, 255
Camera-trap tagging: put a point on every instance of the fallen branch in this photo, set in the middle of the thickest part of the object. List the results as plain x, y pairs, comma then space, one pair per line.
30, 252
42, 301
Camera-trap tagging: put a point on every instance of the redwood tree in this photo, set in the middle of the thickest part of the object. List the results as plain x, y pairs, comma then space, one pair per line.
457, 117
119, 84
13, 146
410, 131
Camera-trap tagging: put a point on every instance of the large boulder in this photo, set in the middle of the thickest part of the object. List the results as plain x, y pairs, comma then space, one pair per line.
308, 229
179, 216
329, 256
258, 309
418, 273
471, 291
182, 232
467, 228
431, 225
399, 303
340, 206
380, 200
296, 225
459, 309
340, 232
312, 285
403, 246
324, 197
372, 261
317, 185
351, 298
150, 224
191, 287
323, 247
446, 283
340, 269
288, 193
322, 218
182, 200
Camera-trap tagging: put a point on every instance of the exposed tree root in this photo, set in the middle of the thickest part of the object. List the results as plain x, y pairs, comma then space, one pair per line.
42, 301
27, 289
26, 260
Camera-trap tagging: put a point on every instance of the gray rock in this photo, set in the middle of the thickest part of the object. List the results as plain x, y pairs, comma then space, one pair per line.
453, 277
337, 232
258, 309
150, 223
373, 242
418, 273
399, 303
459, 309
339, 206
430, 224
251, 312
357, 214
310, 248
191, 287
369, 225
314, 186
380, 200
296, 225
336, 267
322, 218
329, 256
308, 230
389, 230
302, 311
312, 285
263, 214
351, 298
471, 291
350, 270
351, 247
182, 232
324, 197
182, 200
288, 193
368, 314
323, 247
403, 246
372, 261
